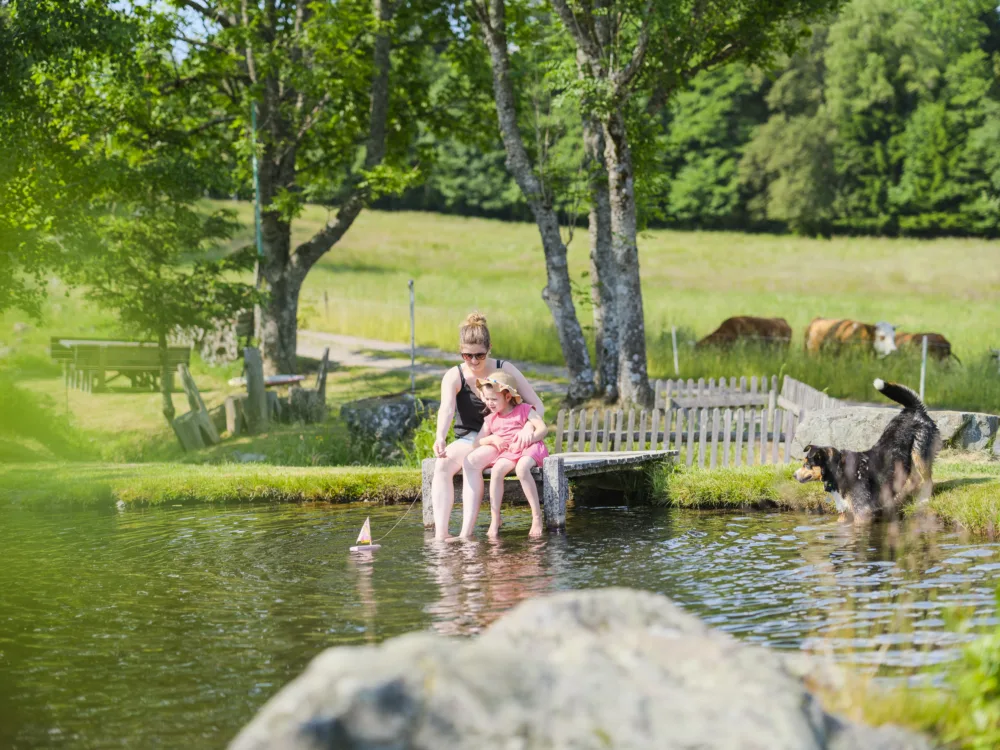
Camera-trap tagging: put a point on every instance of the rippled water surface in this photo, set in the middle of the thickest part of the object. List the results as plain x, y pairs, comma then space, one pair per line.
169, 627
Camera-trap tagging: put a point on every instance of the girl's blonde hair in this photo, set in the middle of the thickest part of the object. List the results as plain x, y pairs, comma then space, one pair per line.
474, 331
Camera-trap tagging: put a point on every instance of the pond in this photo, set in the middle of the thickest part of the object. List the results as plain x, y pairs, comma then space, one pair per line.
171, 626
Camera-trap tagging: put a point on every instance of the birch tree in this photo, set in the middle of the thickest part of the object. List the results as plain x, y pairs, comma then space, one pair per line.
652, 48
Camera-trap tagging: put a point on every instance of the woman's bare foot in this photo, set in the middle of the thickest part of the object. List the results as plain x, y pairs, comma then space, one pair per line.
459, 538
536, 527
494, 530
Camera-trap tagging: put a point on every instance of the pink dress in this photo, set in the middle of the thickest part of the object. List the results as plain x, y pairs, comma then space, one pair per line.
506, 428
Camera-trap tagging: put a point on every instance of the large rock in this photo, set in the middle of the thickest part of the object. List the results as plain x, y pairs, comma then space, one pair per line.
611, 668
857, 428
386, 419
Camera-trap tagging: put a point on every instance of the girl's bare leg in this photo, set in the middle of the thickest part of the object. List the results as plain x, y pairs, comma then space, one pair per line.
443, 485
472, 486
523, 470
500, 470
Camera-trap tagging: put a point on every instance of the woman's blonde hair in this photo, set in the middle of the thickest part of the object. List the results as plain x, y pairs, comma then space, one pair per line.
474, 331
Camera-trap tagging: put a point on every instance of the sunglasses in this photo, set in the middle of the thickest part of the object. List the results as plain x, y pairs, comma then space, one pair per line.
474, 356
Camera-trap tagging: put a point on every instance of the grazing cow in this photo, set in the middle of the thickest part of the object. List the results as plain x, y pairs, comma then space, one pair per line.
832, 333
937, 345
772, 331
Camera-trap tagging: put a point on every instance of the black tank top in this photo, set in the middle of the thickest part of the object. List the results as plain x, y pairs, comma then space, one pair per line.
470, 411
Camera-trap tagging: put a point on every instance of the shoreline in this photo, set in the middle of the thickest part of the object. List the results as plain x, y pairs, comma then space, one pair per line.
966, 492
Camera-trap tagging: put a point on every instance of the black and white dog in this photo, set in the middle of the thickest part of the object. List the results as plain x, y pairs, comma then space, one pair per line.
897, 466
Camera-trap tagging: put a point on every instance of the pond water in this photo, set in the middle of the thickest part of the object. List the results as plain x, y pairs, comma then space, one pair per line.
171, 626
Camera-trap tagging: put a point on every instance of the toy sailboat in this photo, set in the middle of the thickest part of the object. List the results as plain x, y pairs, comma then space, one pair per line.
365, 539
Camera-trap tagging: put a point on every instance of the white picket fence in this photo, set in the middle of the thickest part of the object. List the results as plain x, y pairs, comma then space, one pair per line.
734, 422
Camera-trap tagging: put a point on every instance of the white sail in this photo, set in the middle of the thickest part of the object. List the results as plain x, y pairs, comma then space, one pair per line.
365, 537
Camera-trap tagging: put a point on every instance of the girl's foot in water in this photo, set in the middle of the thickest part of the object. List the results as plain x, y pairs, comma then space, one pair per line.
494, 530
536, 526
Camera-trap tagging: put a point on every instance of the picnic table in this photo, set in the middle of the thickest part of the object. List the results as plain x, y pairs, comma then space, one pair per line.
87, 362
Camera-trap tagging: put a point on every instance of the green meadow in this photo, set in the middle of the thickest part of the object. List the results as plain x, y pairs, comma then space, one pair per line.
691, 280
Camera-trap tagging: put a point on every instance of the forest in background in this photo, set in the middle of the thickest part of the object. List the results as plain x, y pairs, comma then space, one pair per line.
886, 122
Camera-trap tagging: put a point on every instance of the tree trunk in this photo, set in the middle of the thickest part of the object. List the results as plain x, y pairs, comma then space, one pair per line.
558, 291
602, 271
166, 380
633, 380
278, 328
285, 270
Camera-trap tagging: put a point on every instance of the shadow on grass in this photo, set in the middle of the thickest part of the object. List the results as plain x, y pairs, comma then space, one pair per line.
954, 484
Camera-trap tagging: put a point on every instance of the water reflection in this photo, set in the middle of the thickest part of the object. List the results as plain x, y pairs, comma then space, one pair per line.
172, 626
482, 580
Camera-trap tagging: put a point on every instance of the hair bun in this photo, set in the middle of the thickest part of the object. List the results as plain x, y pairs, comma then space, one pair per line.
475, 319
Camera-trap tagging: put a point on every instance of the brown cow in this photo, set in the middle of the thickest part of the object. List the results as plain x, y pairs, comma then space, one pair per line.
833, 333
937, 345
771, 331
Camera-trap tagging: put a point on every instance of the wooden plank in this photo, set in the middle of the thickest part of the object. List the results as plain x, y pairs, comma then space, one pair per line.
559, 431
715, 438
659, 387
739, 437
671, 423
571, 431
586, 464
689, 418
702, 437
593, 431
787, 429
619, 430
743, 384
727, 425
723, 400
631, 429
668, 393
755, 455
776, 436
701, 388
710, 388
765, 429
643, 420
654, 431
606, 437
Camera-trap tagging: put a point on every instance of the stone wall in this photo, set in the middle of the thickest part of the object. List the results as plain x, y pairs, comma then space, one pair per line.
858, 428
609, 668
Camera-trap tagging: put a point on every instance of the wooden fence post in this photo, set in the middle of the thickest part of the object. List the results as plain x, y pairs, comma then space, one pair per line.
255, 407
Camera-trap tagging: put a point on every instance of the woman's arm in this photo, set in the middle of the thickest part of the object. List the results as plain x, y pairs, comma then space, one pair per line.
538, 424
524, 388
446, 412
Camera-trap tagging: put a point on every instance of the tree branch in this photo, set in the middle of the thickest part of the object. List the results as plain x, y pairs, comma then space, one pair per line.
309, 252
584, 41
629, 73
205, 12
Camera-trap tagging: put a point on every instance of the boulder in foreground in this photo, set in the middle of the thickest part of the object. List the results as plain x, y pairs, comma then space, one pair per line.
609, 668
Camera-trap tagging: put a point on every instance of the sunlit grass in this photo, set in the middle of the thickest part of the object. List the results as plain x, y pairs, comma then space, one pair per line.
165, 483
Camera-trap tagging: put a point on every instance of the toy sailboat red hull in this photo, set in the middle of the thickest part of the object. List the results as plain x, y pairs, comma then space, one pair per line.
364, 543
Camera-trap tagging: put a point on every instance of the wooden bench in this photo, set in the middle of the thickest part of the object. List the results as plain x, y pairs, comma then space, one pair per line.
87, 362
553, 477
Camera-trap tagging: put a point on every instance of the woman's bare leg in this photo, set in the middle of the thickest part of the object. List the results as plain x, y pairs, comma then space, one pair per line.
500, 470
523, 470
472, 486
443, 485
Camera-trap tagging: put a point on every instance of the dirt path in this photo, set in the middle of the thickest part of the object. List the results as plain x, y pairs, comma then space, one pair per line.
354, 351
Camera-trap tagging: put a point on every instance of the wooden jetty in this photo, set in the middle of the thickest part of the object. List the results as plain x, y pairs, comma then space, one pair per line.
553, 477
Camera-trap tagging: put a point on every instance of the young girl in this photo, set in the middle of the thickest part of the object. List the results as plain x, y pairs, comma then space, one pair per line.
503, 445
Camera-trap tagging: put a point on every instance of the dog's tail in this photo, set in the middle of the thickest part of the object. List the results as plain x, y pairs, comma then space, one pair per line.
900, 394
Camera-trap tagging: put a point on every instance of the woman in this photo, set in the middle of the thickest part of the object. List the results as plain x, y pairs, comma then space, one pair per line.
460, 401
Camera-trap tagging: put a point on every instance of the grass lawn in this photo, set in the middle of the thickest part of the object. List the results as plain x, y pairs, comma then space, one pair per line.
692, 280
167, 483
966, 492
